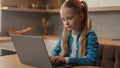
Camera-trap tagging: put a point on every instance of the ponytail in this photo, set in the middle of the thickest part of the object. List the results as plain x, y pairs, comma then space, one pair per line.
82, 39
64, 43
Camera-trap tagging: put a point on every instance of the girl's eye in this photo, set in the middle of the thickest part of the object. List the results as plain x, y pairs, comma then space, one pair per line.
69, 18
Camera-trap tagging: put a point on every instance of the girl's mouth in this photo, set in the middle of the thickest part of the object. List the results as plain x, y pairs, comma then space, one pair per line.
69, 26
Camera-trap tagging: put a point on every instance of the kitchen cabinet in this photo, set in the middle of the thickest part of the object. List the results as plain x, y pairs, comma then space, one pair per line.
94, 5
30, 10
10, 5
18, 9
31, 5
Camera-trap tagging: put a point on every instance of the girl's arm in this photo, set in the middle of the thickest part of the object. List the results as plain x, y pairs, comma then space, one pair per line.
57, 49
91, 52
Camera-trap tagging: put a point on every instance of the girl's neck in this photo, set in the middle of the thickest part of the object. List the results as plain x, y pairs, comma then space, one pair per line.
76, 31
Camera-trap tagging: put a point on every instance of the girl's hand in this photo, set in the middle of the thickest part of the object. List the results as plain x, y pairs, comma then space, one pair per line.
53, 59
60, 60
57, 59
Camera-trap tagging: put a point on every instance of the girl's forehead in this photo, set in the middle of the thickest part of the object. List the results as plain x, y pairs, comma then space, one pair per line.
67, 11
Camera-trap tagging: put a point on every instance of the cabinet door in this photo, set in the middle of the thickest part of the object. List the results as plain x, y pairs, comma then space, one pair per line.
106, 3
92, 3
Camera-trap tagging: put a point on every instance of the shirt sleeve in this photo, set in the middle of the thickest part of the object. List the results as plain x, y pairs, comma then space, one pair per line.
91, 52
66, 60
57, 49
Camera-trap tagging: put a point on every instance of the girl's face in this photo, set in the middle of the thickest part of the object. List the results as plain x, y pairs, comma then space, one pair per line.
71, 20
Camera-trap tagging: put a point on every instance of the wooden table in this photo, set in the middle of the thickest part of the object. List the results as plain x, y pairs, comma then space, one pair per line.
12, 61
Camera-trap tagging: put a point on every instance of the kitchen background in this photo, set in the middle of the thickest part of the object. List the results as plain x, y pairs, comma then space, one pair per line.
104, 14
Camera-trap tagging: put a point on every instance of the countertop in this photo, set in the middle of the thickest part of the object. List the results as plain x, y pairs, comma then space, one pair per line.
55, 37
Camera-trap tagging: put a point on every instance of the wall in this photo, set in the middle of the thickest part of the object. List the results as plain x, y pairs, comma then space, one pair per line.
0, 17
106, 24
57, 23
0, 21
102, 3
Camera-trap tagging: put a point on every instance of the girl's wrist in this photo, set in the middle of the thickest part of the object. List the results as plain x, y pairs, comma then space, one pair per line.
66, 60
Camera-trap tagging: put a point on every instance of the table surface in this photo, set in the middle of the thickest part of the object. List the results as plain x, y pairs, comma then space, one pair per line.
12, 61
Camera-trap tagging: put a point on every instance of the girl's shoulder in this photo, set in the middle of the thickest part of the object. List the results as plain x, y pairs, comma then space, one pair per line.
91, 33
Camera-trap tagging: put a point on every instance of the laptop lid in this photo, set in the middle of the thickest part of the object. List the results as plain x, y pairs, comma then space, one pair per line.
31, 50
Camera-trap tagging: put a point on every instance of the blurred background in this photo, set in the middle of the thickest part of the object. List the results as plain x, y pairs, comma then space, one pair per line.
43, 16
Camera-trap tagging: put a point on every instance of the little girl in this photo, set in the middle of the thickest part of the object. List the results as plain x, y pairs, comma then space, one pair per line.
78, 44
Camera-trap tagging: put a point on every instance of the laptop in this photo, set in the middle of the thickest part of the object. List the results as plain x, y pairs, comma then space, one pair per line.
31, 50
